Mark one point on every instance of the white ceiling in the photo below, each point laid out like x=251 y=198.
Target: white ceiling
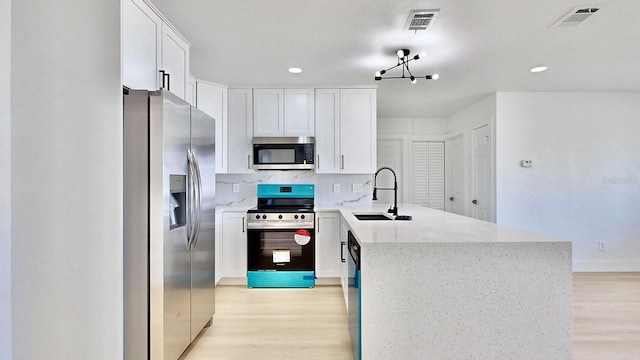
x=476 y=46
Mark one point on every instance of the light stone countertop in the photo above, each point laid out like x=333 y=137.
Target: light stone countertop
x=432 y=226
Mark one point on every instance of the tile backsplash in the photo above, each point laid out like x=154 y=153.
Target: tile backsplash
x=325 y=196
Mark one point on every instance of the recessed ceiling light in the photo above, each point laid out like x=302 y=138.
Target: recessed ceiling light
x=538 y=69
x=295 y=70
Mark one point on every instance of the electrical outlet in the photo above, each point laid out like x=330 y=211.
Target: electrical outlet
x=236 y=188
x=601 y=245
x=356 y=188
x=336 y=188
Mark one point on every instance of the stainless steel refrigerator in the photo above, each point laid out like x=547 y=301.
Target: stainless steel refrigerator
x=169 y=216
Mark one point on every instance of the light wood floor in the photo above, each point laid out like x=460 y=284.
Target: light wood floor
x=312 y=323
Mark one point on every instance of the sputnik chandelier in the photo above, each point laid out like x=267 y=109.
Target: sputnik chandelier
x=403 y=60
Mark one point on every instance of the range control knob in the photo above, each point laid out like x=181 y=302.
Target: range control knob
x=264 y=217
x=295 y=217
x=280 y=217
x=257 y=216
x=302 y=217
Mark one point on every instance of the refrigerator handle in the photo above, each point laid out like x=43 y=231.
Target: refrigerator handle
x=198 y=204
x=192 y=200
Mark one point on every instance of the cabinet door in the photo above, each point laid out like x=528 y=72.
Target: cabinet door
x=240 y=126
x=327 y=124
x=175 y=61
x=212 y=99
x=268 y=112
x=299 y=113
x=141 y=39
x=358 y=131
x=327 y=245
x=234 y=244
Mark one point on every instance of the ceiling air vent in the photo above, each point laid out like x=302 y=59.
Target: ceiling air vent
x=577 y=15
x=421 y=19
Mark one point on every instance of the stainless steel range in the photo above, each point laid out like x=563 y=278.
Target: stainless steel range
x=280 y=237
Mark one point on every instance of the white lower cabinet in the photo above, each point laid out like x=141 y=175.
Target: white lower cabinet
x=344 y=267
x=327 y=245
x=234 y=244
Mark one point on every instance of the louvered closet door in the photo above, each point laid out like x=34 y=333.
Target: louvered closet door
x=428 y=174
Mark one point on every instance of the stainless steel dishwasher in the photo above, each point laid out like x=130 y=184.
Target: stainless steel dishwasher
x=354 y=295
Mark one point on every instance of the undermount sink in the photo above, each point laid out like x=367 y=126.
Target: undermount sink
x=372 y=216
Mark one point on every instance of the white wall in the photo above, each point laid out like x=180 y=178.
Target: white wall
x=5 y=180
x=66 y=180
x=411 y=126
x=474 y=115
x=585 y=181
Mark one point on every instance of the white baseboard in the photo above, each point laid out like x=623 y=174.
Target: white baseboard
x=629 y=265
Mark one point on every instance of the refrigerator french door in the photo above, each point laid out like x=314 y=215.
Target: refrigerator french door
x=169 y=185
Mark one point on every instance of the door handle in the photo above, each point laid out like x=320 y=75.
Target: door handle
x=474 y=202
x=451 y=198
x=342 y=244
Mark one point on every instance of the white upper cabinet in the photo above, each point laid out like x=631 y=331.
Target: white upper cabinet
x=288 y=112
x=299 y=112
x=346 y=131
x=327 y=131
x=175 y=61
x=141 y=45
x=240 y=131
x=152 y=47
x=268 y=112
x=212 y=99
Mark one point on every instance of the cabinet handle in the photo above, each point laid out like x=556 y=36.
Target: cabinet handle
x=249 y=162
x=168 y=81
x=342 y=162
x=243 y=224
x=162 y=78
x=318 y=162
x=342 y=244
x=474 y=202
x=318 y=224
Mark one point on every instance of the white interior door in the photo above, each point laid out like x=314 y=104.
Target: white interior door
x=391 y=153
x=481 y=174
x=455 y=175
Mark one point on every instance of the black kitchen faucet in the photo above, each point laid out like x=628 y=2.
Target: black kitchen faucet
x=394 y=209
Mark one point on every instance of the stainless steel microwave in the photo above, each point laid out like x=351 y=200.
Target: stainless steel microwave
x=283 y=153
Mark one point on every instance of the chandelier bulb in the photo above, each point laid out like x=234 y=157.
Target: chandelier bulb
x=378 y=74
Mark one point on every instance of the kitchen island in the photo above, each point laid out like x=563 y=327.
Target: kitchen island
x=444 y=286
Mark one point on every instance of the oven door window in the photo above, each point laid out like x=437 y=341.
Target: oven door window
x=278 y=250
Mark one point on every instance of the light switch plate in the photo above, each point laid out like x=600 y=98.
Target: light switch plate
x=336 y=188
